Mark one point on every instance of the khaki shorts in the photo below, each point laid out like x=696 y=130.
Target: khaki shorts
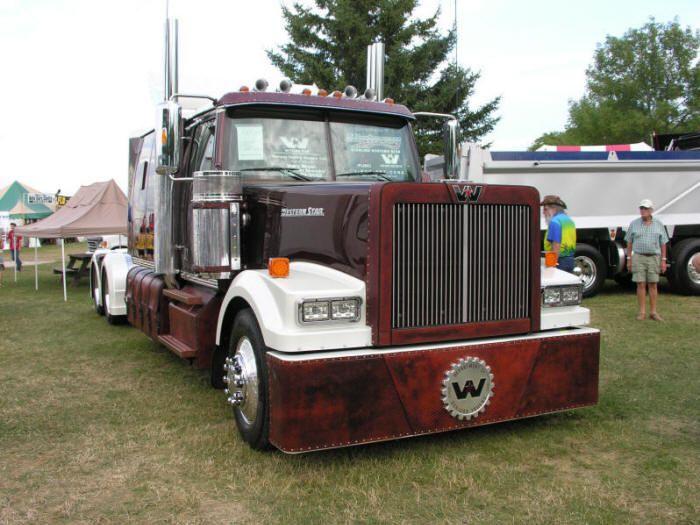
x=646 y=268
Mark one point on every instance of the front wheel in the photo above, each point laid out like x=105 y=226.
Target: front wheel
x=593 y=268
x=245 y=375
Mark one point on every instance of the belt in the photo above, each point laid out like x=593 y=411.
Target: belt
x=648 y=254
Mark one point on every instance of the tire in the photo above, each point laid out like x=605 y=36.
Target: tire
x=245 y=373
x=94 y=289
x=593 y=268
x=682 y=277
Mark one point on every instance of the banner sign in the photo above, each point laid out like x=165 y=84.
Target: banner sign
x=40 y=198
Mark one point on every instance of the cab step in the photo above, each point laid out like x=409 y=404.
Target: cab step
x=177 y=347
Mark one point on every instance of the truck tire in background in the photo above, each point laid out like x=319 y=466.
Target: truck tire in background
x=593 y=268
x=682 y=277
x=95 y=289
x=246 y=377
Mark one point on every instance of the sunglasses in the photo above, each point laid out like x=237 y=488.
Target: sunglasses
x=644 y=208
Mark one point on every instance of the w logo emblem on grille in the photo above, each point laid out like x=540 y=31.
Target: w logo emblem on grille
x=467 y=193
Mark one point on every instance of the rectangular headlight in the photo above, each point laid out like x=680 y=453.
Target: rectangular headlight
x=552 y=296
x=345 y=310
x=315 y=311
x=571 y=295
x=331 y=309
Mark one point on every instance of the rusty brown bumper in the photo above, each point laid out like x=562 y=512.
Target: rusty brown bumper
x=332 y=400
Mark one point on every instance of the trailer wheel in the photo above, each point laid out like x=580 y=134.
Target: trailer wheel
x=95 y=292
x=245 y=374
x=593 y=268
x=683 y=277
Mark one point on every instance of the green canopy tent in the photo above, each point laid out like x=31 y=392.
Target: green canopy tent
x=14 y=202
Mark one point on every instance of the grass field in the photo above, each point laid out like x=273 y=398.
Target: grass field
x=99 y=425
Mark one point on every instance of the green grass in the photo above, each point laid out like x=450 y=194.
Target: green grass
x=99 y=425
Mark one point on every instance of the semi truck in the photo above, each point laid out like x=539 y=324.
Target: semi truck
x=291 y=244
x=602 y=191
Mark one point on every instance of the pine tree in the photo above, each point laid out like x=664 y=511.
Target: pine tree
x=328 y=46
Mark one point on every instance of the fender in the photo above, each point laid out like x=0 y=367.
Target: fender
x=114 y=266
x=275 y=302
x=561 y=316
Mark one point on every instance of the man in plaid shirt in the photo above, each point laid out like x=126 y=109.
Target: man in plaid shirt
x=646 y=254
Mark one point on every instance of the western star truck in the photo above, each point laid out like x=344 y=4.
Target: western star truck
x=290 y=243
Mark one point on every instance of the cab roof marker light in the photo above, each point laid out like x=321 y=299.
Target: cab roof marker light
x=285 y=85
x=389 y=101
x=306 y=92
x=261 y=84
x=244 y=89
x=322 y=93
x=336 y=94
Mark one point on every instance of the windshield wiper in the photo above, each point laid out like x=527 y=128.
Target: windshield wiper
x=292 y=172
x=377 y=173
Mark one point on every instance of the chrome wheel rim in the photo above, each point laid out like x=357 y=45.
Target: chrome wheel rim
x=589 y=272
x=693 y=275
x=241 y=376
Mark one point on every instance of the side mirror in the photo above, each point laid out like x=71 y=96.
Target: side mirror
x=450 y=135
x=168 y=124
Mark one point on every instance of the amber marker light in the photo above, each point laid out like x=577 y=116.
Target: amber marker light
x=164 y=135
x=389 y=101
x=550 y=259
x=336 y=94
x=278 y=267
x=306 y=92
x=244 y=89
x=322 y=93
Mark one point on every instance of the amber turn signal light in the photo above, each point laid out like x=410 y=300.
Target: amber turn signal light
x=278 y=267
x=550 y=259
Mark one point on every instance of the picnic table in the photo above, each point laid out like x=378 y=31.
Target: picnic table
x=76 y=272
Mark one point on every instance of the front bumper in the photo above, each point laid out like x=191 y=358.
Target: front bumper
x=334 y=399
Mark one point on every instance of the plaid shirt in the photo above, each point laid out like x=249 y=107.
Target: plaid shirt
x=646 y=239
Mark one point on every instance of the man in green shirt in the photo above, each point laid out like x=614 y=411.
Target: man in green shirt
x=646 y=255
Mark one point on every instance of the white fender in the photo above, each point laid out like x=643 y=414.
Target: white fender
x=561 y=316
x=115 y=265
x=275 y=303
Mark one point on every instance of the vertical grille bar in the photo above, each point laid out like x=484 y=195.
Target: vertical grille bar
x=457 y=264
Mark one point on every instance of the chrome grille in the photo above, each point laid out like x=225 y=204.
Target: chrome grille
x=458 y=264
x=93 y=244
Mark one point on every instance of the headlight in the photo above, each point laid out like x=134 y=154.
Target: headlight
x=342 y=309
x=562 y=295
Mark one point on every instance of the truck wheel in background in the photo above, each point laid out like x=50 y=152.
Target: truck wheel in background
x=593 y=268
x=625 y=280
x=245 y=374
x=683 y=277
x=95 y=292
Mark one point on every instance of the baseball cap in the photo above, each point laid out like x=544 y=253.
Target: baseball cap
x=552 y=199
x=646 y=203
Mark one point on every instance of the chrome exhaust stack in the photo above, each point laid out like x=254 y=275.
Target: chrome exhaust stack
x=375 y=71
x=167 y=130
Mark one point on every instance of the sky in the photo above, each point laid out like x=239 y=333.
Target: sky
x=79 y=77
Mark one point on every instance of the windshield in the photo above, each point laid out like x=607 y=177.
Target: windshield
x=319 y=147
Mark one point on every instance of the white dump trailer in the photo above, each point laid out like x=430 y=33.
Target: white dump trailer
x=602 y=191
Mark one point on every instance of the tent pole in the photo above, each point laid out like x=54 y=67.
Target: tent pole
x=14 y=256
x=63 y=264
x=36 y=265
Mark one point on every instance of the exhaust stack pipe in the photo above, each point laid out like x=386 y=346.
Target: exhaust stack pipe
x=163 y=231
x=375 y=69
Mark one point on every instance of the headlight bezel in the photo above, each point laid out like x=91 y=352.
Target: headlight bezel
x=560 y=291
x=302 y=320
